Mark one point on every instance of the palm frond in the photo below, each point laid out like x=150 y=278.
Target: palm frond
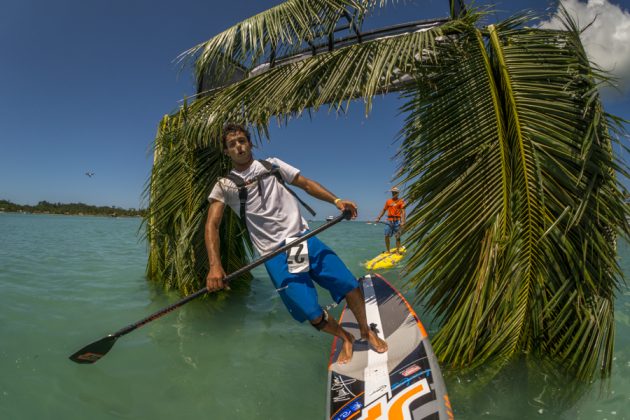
x=180 y=183
x=276 y=32
x=513 y=175
x=333 y=78
x=455 y=155
x=515 y=201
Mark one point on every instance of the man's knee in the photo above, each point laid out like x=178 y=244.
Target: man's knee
x=353 y=292
x=320 y=322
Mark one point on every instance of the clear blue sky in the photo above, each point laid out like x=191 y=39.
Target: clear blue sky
x=83 y=85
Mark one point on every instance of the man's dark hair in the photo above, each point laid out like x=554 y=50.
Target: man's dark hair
x=231 y=128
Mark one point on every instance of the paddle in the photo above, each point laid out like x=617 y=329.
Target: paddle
x=94 y=351
x=375 y=223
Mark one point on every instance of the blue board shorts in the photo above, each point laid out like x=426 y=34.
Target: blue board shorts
x=297 y=289
x=393 y=228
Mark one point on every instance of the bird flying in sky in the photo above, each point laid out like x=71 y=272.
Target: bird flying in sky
x=90 y=174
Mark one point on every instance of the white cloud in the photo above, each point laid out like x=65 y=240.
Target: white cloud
x=607 y=40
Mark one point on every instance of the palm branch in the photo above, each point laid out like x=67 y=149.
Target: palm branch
x=188 y=148
x=511 y=171
x=276 y=32
x=180 y=183
x=506 y=148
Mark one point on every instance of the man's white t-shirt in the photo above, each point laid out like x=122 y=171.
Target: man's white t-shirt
x=271 y=218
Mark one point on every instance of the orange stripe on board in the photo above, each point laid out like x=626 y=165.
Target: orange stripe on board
x=374 y=413
x=396 y=410
x=423 y=332
x=449 y=411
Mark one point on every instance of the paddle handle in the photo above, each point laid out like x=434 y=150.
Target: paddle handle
x=126 y=330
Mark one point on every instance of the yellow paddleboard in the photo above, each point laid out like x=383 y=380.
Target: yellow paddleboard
x=386 y=259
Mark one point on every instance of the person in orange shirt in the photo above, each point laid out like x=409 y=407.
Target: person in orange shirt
x=395 y=208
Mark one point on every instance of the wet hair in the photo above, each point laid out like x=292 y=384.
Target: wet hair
x=231 y=128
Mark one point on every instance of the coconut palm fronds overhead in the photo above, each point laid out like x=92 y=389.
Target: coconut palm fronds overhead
x=510 y=165
x=332 y=78
x=273 y=33
x=506 y=150
x=289 y=32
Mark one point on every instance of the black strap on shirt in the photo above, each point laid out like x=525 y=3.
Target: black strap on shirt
x=241 y=184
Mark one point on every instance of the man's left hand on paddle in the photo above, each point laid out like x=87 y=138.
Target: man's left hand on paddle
x=348 y=205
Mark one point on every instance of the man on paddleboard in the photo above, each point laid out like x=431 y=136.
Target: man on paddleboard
x=395 y=208
x=256 y=191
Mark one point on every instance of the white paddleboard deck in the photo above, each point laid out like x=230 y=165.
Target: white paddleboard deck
x=403 y=383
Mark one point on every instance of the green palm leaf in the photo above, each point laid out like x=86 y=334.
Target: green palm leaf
x=180 y=183
x=513 y=180
x=506 y=150
x=333 y=78
x=276 y=32
x=455 y=154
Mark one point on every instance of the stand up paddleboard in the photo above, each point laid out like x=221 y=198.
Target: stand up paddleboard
x=405 y=382
x=386 y=259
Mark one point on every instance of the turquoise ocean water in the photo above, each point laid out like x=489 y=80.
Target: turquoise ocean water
x=66 y=281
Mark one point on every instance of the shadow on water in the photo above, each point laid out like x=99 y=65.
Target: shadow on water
x=531 y=387
x=216 y=315
x=523 y=388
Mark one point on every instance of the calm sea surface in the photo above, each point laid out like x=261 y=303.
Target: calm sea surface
x=66 y=281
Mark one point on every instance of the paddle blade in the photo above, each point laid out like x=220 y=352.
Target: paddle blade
x=93 y=352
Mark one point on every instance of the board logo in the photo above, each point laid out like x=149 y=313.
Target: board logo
x=399 y=407
x=410 y=370
x=349 y=410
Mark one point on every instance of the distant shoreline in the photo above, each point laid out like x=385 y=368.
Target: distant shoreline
x=69 y=209
x=65 y=214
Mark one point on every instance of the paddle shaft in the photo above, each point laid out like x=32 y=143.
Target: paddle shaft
x=230 y=277
x=373 y=223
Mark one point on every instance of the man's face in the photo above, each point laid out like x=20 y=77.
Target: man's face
x=395 y=195
x=238 y=148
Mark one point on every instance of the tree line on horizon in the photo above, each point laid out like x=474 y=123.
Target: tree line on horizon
x=45 y=207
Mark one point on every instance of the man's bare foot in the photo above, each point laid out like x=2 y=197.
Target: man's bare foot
x=378 y=344
x=346 y=350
